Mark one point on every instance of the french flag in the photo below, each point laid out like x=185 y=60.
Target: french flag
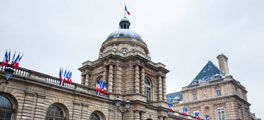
x=64 y=78
x=17 y=63
x=7 y=58
x=185 y=111
x=60 y=75
x=70 y=75
x=16 y=60
x=207 y=117
x=97 y=88
x=196 y=115
x=170 y=107
x=4 y=60
x=13 y=59
x=127 y=11
x=104 y=88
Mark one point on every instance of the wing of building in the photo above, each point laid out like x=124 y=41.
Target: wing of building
x=213 y=92
x=125 y=66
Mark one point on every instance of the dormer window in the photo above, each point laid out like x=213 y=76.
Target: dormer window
x=124 y=50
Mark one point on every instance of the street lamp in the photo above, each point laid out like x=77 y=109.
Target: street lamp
x=8 y=74
x=127 y=106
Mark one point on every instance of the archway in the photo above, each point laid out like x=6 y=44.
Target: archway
x=57 y=111
x=8 y=106
x=97 y=115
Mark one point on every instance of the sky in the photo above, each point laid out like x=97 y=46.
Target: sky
x=182 y=34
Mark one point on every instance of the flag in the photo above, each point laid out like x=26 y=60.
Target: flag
x=104 y=88
x=127 y=11
x=64 y=77
x=17 y=63
x=13 y=59
x=60 y=75
x=70 y=77
x=185 y=111
x=16 y=60
x=7 y=58
x=101 y=85
x=196 y=115
x=97 y=87
x=171 y=107
x=4 y=60
x=207 y=117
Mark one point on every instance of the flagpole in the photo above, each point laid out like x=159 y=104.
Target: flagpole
x=125 y=12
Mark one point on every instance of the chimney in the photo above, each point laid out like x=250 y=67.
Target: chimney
x=223 y=64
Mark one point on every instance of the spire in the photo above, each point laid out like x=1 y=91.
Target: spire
x=124 y=23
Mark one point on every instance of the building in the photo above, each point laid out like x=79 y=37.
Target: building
x=214 y=92
x=124 y=64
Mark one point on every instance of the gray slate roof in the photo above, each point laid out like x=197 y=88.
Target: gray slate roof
x=172 y=97
x=208 y=73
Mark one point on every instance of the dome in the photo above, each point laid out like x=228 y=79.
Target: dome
x=124 y=31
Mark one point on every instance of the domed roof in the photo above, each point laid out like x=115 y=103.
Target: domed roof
x=124 y=31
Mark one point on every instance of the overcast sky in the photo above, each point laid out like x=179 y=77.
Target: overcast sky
x=182 y=34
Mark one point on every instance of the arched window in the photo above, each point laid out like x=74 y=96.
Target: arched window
x=100 y=80
x=94 y=116
x=5 y=108
x=54 y=112
x=147 y=88
x=97 y=115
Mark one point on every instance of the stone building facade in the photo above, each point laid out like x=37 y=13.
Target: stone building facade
x=215 y=93
x=123 y=63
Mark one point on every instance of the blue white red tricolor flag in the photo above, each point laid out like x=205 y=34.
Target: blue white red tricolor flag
x=14 y=62
x=98 y=87
x=196 y=115
x=207 y=117
x=171 y=107
x=104 y=88
x=184 y=111
x=60 y=75
x=127 y=12
x=4 y=60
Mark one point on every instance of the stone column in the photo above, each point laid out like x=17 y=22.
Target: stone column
x=104 y=73
x=136 y=115
x=87 y=78
x=160 y=88
x=118 y=79
x=164 y=88
x=142 y=80
x=137 y=79
x=110 y=79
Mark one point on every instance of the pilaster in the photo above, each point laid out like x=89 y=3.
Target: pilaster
x=136 y=79
x=110 y=78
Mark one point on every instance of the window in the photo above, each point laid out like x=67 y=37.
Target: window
x=194 y=96
x=218 y=92
x=147 y=89
x=220 y=113
x=94 y=116
x=124 y=50
x=5 y=108
x=55 y=113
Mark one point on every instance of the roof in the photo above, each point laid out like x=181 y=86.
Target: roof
x=208 y=73
x=124 y=33
x=173 y=97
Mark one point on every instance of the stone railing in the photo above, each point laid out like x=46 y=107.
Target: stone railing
x=180 y=115
x=30 y=74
